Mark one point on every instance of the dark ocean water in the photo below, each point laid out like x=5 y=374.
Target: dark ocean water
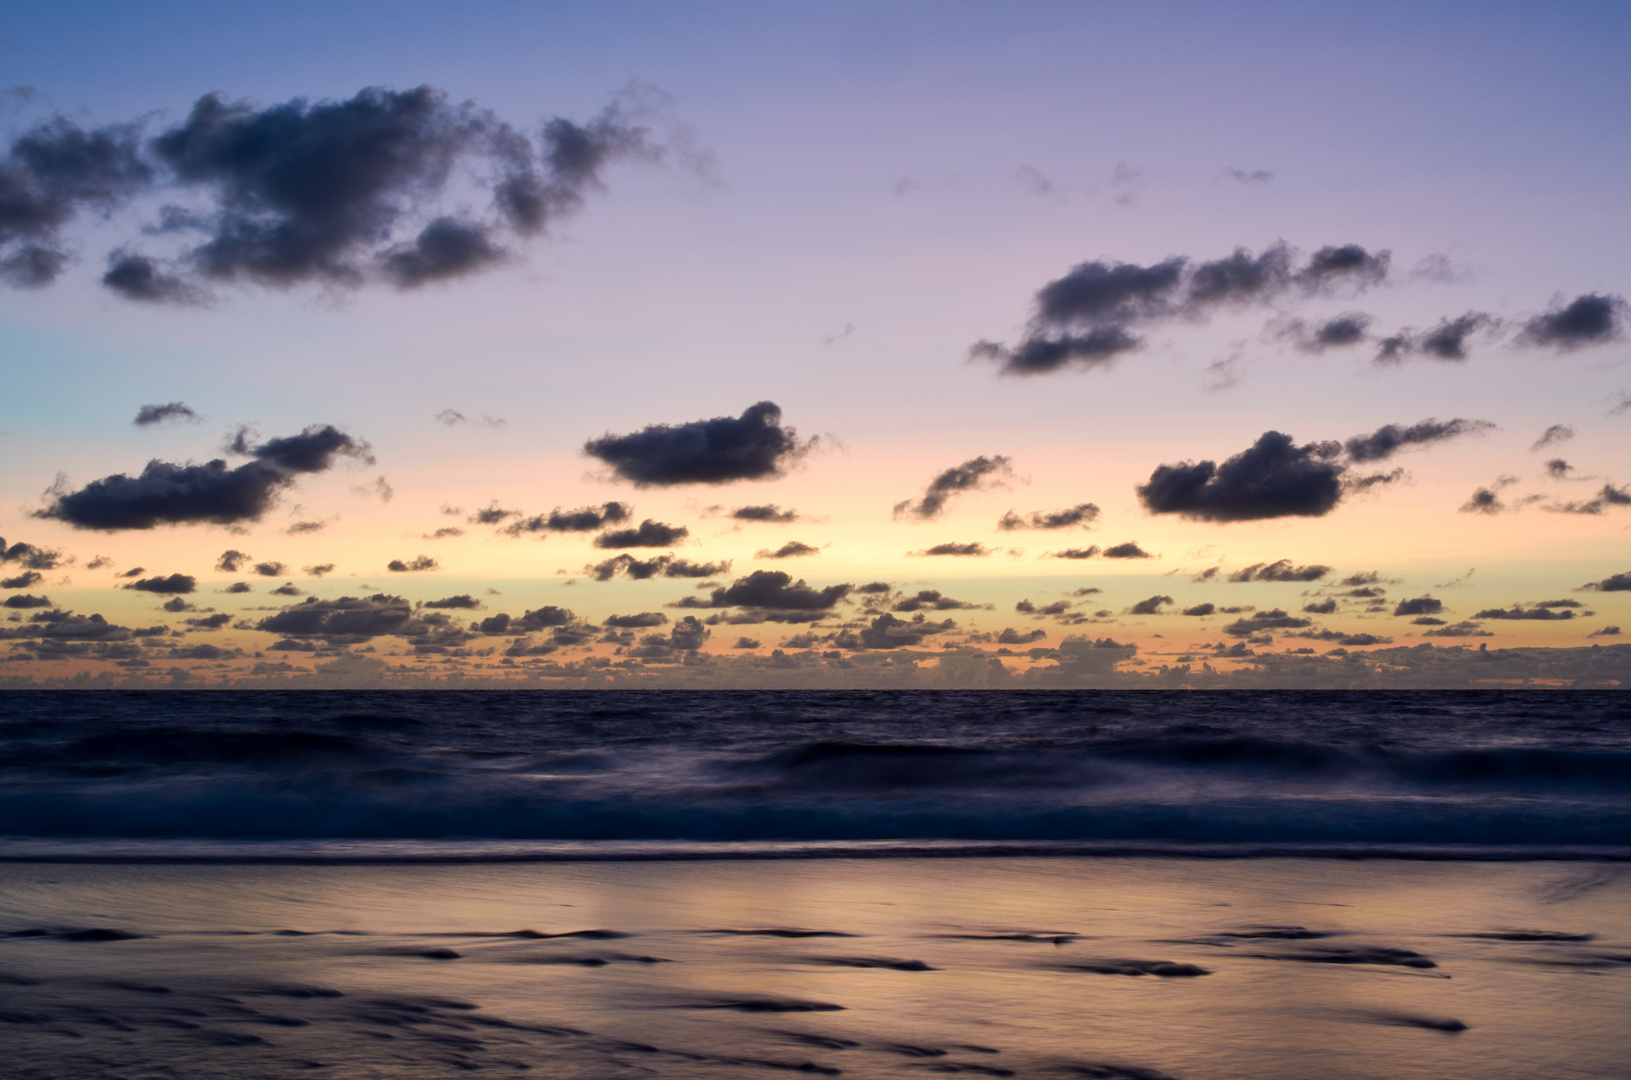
x=1520 y=772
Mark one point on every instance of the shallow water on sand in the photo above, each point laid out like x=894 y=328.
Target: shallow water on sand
x=1088 y=967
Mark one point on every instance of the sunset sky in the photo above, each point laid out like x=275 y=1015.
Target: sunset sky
x=1008 y=277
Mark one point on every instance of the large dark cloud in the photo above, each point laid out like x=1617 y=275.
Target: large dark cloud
x=1086 y=318
x=773 y=590
x=753 y=446
x=1274 y=478
x=888 y=632
x=48 y=176
x=1592 y=319
x=348 y=618
x=1388 y=439
x=27 y=600
x=170 y=494
x=974 y=474
x=649 y=534
x=583 y=519
x=1419 y=605
x=1280 y=570
x=1082 y=514
x=158 y=414
x=1612 y=583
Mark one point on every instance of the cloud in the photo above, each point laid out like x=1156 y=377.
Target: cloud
x=975 y=474
x=270 y=569
x=301 y=528
x=288 y=588
x=1446 y=341
x=171 y=494
x=649 y=534
x=1249 y=176
x=318 y=570
x=347 y=619
x=1327 y=606
x=1074 y=553
x=340 y=193
x=1200 y=610
x=30 y=556
x=239 y=587
x=453 y=418
x=660 y=566
x=1151 y=606
x=1483 y=501
x=1592 y=319
x=791 y=550
x=421 y=562
x=1420 y=605
x=446 y=532
x=931 y=600
x=1129 y=550
x=27 y=600
x=1039 y=356
x=951 y=547
x=462 y=602
x=1557 y=433
x=1274 y=478
x=50 y=175
x=754 y=446
x=1010 y=636
x=167 y=585
x=1605 y=631
x=492 y=514
x=1340 y=331
x=770 y=513
x=888 y=632
x=1558 y=469
x=1388 y=439
x=159 y=414
x=772 y=590
x=1608 y=496
x=636 y=622
x=1082 y=514
x=1260 y=621
x=1281 y=570
x=1460 y=629
x=1613 y=583
x=1518 y=611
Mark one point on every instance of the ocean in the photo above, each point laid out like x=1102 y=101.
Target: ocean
x=698 y=884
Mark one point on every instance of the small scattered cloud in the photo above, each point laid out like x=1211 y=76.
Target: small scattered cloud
x=1557 y=433
x=1389 y=439
x=1446 y=341
x=1608 y=496
x=461 y=602
x=317 y=570
x=1605 y=631
x=766 y=513
x=1420 y=605
x=1280 y=570
x=166 y=585
x=455 y=418
x=1612 y=583
x=582 y=519
x=1129 y=550
x=172 y=412
x=1082 y=514
x=1150 y=606
x=414 y=565
x=1248 y=176
x=649 y=533
x=793 y=549
x=975 y=474
x=1201 y=610
x=1592 y=319
x=956 y=549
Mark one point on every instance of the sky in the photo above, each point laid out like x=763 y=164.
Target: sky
x=722 y=344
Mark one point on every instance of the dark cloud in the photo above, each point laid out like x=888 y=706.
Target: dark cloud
x=1010 y=636
x=139 y=278
x=1075 y=553
x=1605 y=631
x=767 y=513
x=1553 y=435
x=177 y=604
x=239 y=587
x=462 y=602
x=1086 y=318
x=30 y=556
x=1387 y=440
x=1518 y=611
x=583 y=519
x=1592 y=319
x=349 y=618
x=975 y=474
x=791 y=550
x=776 y=589
x=446 y=532
x=1613 y=583
x=288 y=588
x=1260 y=621
x=873 y=588
x=660 y=566
x=168 y=585
x=49 y=175
x=210 y=622
x=1608 y=496
x=1483 y=501
x=1281 y=570
x=170 y=494
x=318 y=570
x=1460 y=629
x=888 y=632
x=929 y=600
x=1341 y=331
x=1558 y=469
x=421 y=562
x=302 y=528
x=269 y=569
x=27 y=600
x=1446 y=341
x=951 y=547
x=1327 y=606
x=1274 y=478
x=1082 y=514
x=754 y=446
x=492 y=514
x=159 y=414
x=747 y=643
x=1129 y=550
x=649 y=534
x=1420 y=605
x=1150 y=606
x=445 y=248
x=636 y=622
x=1201 y=609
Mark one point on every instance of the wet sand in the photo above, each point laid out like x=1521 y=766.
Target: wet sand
x=1051 y=967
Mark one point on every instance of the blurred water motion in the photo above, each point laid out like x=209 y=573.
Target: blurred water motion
x=1129 y=968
